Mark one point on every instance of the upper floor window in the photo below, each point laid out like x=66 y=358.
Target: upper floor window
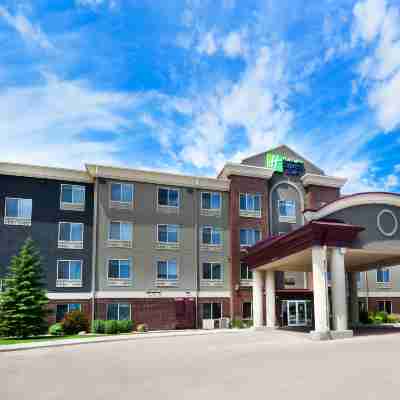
x=383 y=275
x=250 y=205
x=70 y=235
x=246 y=274
x=69 y=273
x=18 y=211
x=211 y=236
x=119 y=269
x=118 y=311
x=63 y=309
x=120 y=233
x=167 y=270
x=287 y=210
x=72 y=197
x=249 y=237
x=121 y=194
x=211 y=201
x=212 y=271
x=167 y=233
x=168 y=197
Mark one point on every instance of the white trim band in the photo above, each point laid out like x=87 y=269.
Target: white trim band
x=383 y=294
x=69 y=296
x=322 y=180
x=245 y=170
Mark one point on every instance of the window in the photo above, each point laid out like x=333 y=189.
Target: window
x=119 y=269
x=385 y=305
x=70 y=235
x=167 y=270
x=212 y=271
x=383 y=275
x=246 y=274
x=122 y=193
x=69 y=273
x=120 y=231
x=246 y=310
x=18 y=211
x=287 y=210
x=212 y=310
x=210 y=200
x=118 y=311
x=72 y=197
x=250 y=205
x=168 y=197
x=249 y=237
x=63 y=309
x=167 y=233
x=2 y=285
x=211 y=236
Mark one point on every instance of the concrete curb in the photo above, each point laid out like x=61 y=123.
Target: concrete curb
x=116 y=338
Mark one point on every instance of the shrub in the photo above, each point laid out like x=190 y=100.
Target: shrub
x=142 y=328
x=98 y=326
x=56 y=330
x=75 y=322
x=125 y=326
x=381 y=317
x=111 y=327
x=391 y=318
x=248 y=323
x=238 y=323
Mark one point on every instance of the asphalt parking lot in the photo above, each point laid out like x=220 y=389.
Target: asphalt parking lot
x=271 y=365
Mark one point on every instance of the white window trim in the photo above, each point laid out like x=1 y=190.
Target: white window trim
x=121 y=204
x=17 y=220
x=168 y=206
x=240 y=274
x=249 y=229
x=213 y=229
x=385 y=302
x=62 y=282
x=68 y=307
x=177 y=234
x=291 y=219
x=119 y=242
x=248 y=212
x=119 y=281
x=70 y=244
x=65 y=205
x=212 y=304
x=166 y=281
x=384 y=284
x=212 y=263
x=119 y=304
x=210 y=209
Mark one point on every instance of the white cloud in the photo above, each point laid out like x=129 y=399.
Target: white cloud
x=45 y=123
x=207 y=44
x=381 y=70
x=233 y=45
x=30 y=32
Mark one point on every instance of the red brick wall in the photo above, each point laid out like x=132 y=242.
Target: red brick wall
x=240 y=184
x=373 y=303
x=86 y=307
x=316 y=196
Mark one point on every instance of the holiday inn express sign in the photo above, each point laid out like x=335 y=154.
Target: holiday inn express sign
x=281 y=164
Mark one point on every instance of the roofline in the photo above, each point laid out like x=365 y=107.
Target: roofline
x=245 y=170
x=322 y=180
x=156 y=177
x=38 y=171
x=352 y=200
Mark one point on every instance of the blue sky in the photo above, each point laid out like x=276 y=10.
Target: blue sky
x=186 y=86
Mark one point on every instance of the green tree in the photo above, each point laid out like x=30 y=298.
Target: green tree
x=23 y=305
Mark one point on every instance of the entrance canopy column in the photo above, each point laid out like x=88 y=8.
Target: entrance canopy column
x=354 y=307
x=270 y=299
x=258 y=281
x=321 y=304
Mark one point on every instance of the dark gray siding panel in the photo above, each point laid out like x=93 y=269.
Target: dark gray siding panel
x=46 y=215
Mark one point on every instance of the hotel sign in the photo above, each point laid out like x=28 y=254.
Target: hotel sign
x=281 y=164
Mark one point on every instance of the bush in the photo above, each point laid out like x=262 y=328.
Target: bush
x=75 y=322
x=125 y=326
x=98 y=326
x=56 y=330
x=248 y=323
x=381 y=317
x=142 y=328
x=392 y=319
x=238 y=323
x=111 y=327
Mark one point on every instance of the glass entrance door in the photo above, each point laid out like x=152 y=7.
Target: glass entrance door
x=299 y=312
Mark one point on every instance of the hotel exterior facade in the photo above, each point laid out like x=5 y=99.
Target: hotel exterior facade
x=168 y=250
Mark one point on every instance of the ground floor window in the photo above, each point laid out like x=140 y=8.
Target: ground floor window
x=246 y=310
x=63 y=309
x=212 y=310
x=118 y=311
x=385 y=305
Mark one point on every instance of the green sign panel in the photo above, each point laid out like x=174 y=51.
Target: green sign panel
x=281 y=164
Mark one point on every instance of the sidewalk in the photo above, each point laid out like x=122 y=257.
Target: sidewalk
x=116 y=338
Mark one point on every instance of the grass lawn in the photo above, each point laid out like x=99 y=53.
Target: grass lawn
x=4 y=341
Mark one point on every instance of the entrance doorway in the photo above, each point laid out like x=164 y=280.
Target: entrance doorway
x=298 y=312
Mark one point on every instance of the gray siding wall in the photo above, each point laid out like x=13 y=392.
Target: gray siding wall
x=145 y=215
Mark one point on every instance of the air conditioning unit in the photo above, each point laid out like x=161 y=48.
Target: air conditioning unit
x=208 y=324
x=220 y=323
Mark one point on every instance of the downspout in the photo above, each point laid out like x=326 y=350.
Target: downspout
x=367 y=290
x=196 y=253
x=94 y=243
